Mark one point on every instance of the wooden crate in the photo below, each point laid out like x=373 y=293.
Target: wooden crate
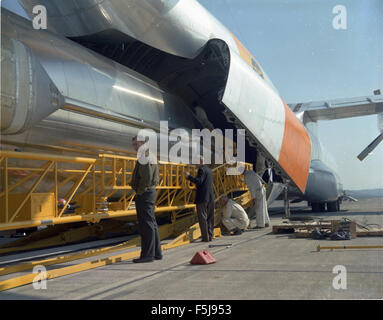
x=338 y=225
x=370 y=233
x=292 y=227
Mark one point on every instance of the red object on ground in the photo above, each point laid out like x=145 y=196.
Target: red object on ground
x=203 y=257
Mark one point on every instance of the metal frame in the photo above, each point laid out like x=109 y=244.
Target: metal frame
x=90 y=182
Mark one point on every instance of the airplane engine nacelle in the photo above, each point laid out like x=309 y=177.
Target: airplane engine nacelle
x=24 y=100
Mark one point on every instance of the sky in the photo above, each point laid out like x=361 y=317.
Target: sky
x=308 y=60
x=14 y=6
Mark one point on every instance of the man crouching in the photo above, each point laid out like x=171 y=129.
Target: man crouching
x=234 y=218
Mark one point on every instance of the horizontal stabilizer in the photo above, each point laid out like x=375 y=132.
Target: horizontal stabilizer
x=339 y=109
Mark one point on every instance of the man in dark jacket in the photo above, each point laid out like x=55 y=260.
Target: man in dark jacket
x=204 y=200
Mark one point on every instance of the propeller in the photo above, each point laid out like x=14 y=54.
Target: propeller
x=376 y=141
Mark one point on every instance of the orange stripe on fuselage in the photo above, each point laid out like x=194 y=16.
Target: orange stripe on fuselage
x=248 y=57
x=295 y=153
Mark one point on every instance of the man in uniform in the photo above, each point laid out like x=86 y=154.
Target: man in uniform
x=145 y=178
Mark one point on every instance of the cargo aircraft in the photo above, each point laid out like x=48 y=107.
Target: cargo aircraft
x=105 y=69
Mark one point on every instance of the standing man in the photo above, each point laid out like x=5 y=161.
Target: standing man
x=145 y=178
x=258 y=192
x=204 y=199
x=234 y=218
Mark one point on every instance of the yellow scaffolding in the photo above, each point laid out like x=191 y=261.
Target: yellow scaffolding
x=91 y=189
x=35 y=184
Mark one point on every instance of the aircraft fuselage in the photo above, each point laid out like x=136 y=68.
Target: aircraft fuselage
x=87 y=95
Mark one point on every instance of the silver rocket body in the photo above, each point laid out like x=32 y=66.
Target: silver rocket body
x=57 y=92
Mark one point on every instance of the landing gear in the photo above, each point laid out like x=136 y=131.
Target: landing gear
x=333 y=206
x=286 y=203
x=318 y=207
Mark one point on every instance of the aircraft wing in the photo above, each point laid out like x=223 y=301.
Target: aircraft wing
x=342 y=109
x=339 y=109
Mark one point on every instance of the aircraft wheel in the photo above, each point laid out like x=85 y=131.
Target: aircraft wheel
x=333 y=206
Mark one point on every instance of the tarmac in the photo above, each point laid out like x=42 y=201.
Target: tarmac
x=257 y=265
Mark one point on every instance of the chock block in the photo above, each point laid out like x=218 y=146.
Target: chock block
x=203 y=257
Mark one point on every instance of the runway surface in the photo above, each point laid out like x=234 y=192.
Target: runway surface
x=258 y=265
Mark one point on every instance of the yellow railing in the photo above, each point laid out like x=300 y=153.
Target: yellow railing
x=225 y=184
x=44 y=189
